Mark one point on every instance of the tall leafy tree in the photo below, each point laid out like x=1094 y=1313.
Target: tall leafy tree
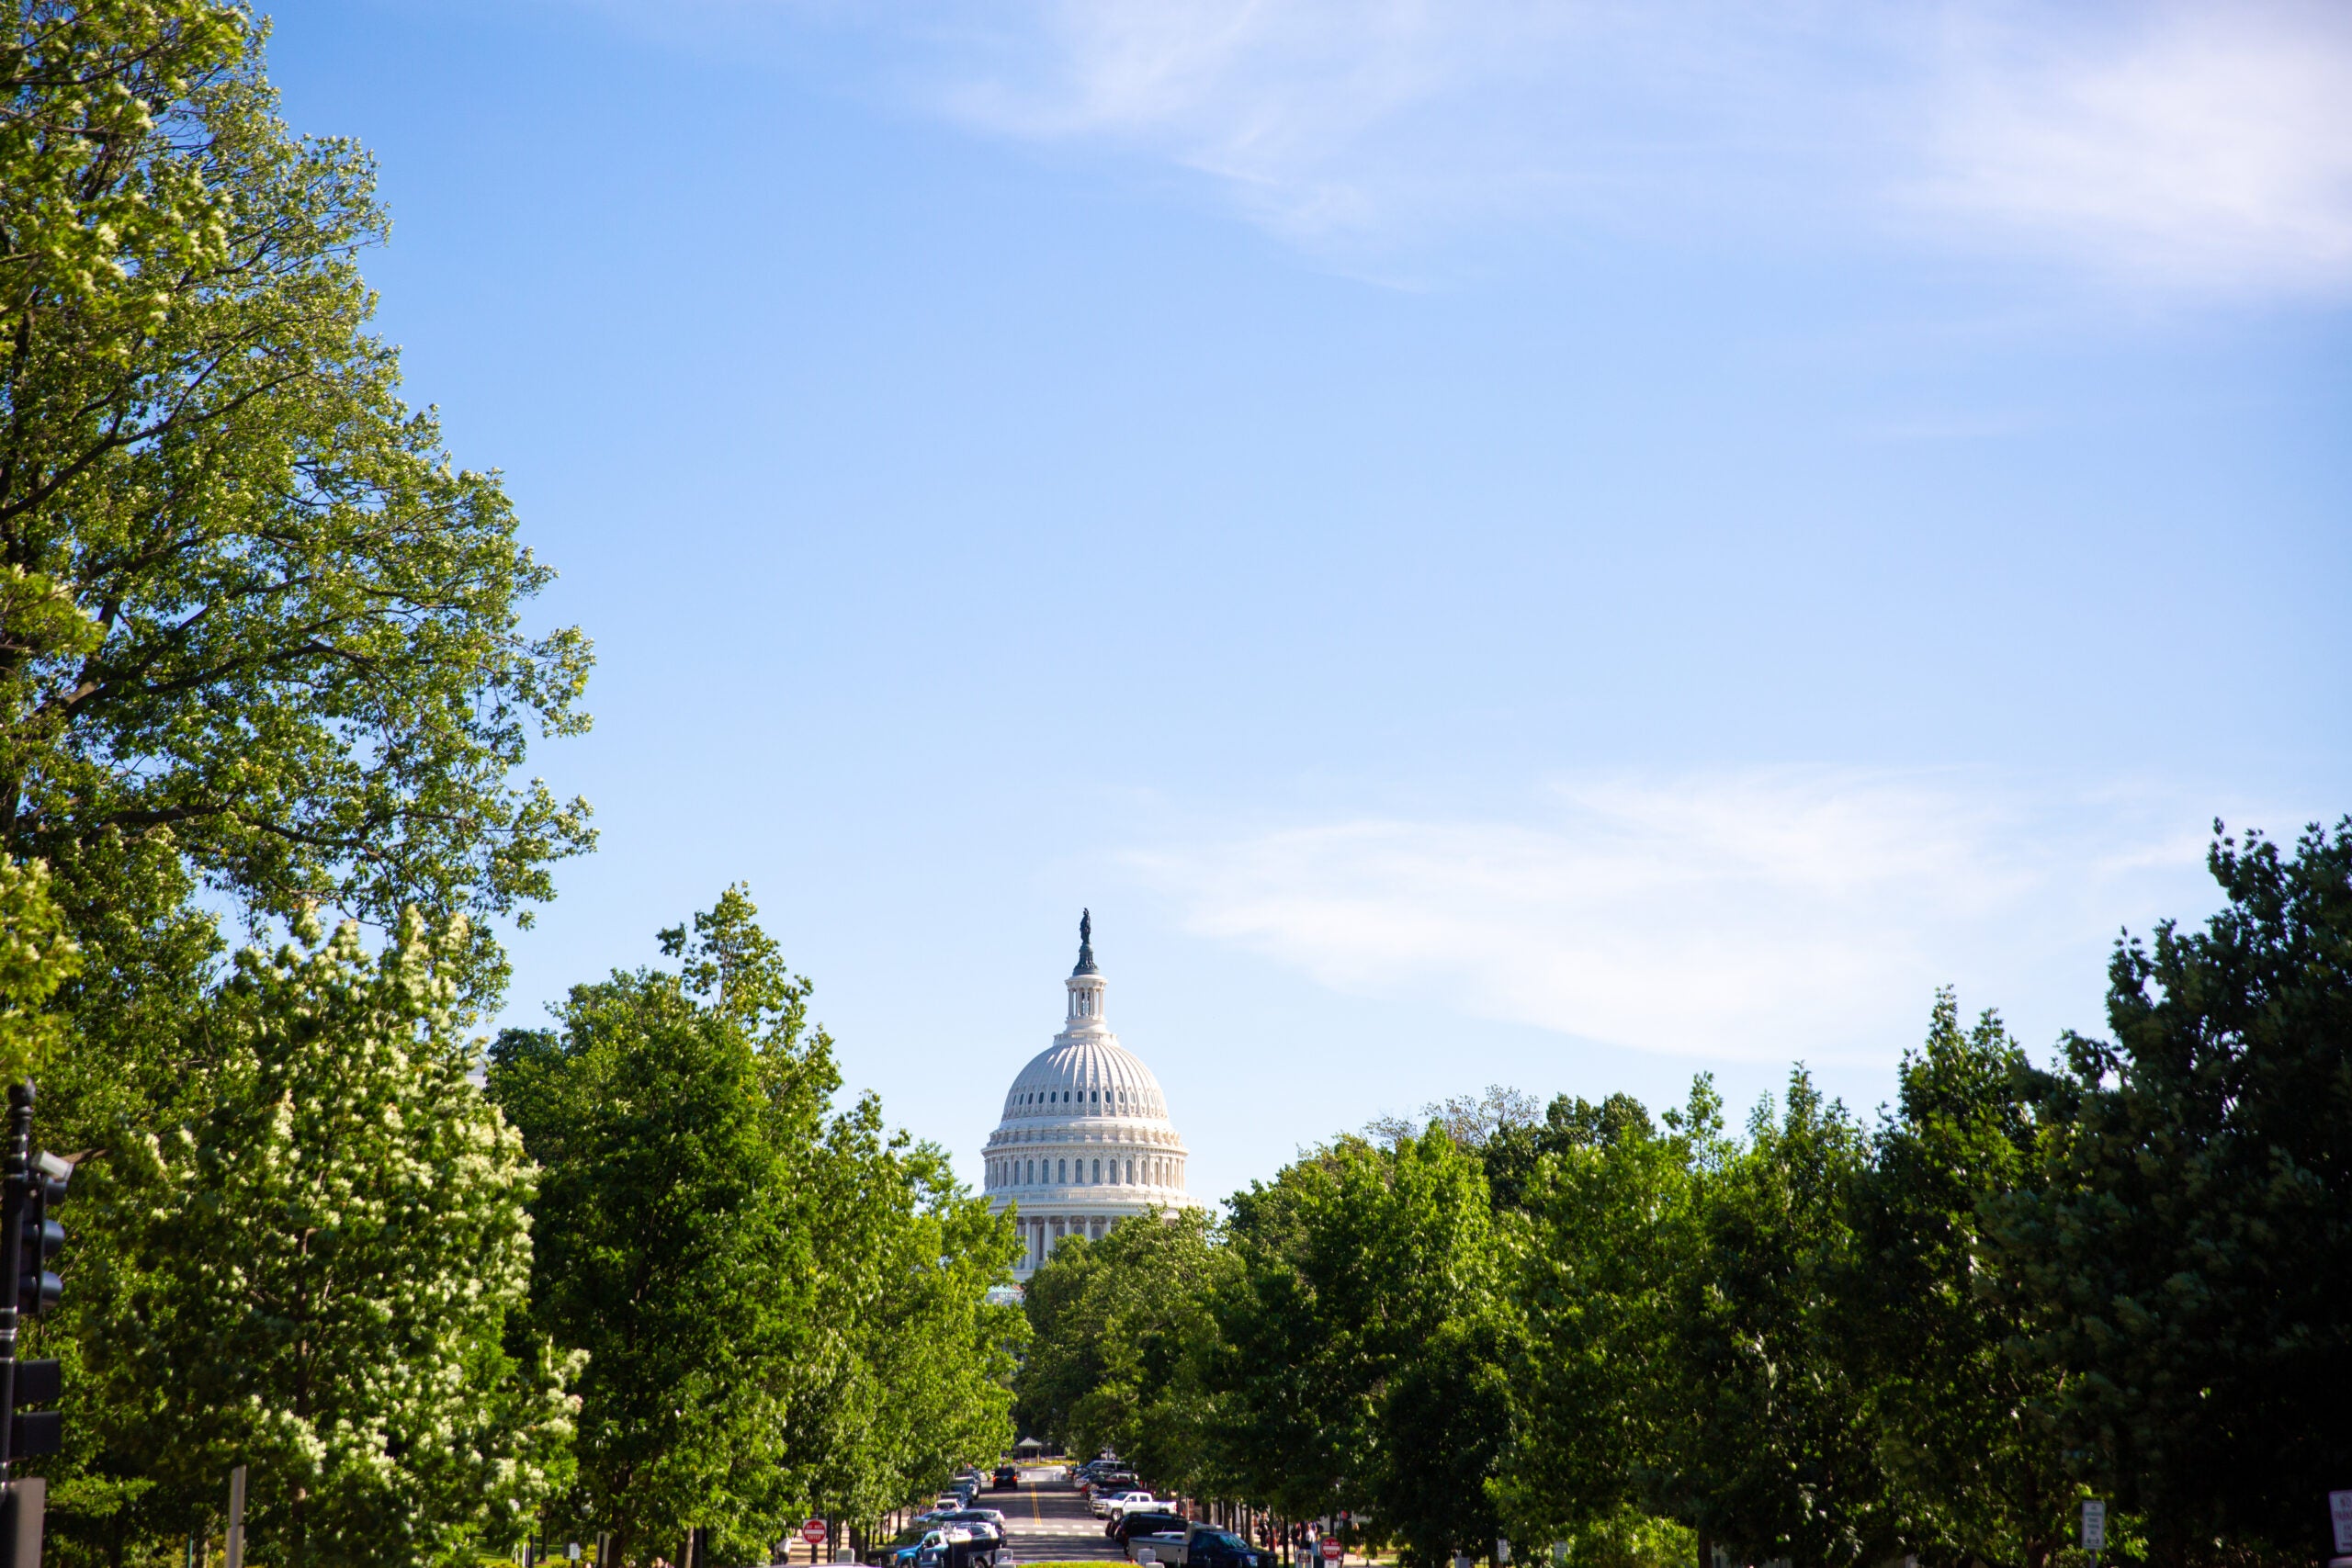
x=1768 y=1449
x=739 y=1264
x=675 y=1115
x=918 y=1382
x=1974 y=1466
x=2186 y=1252
x=1352 y=1264
x=256 y=621
x=1613 y=1224
x=321 y=1277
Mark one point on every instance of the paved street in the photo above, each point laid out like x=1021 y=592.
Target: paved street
x=1048 y=1521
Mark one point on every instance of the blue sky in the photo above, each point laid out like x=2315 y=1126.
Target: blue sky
x=1559 y=546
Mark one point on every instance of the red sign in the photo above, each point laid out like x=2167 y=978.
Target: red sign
x=1332 y=1549
x=813 y=1533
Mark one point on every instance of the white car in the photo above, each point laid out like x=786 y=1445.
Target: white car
x=1112 y=1506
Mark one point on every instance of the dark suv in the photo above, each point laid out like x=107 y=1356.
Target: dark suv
x=1144 y=1521
x=1207 y=1548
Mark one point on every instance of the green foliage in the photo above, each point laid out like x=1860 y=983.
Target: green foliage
x=1353 y=1265
x=1614 y=1223
x=37 y=956
x=1772 y=1455
x=1975 y=1471
x=921 y=1361
x=2183 y=1256
x=782 y=1308
x=1629 y=1539
x=1121 y=1328
x=320 y=1276
x=244 y=595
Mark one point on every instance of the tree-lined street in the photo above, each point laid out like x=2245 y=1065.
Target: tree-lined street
x=325 y=1260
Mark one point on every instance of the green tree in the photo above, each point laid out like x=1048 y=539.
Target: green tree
x=1120 y=1332
x=254 y=618
x=321 y=1277
x=1768 y=1449
x=1353 y=1263
x=921 y=1381
x=737 y=1262
x=2183 y=1256
x=1963 y=1437
x=1614 y=1225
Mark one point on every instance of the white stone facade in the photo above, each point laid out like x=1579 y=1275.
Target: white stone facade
x=1085 y=1141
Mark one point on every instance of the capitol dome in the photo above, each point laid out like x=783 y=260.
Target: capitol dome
x=1085 y=1140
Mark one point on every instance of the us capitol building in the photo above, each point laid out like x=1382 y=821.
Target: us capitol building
x=1085 y=1141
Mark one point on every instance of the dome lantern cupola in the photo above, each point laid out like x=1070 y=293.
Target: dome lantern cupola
x=1086 y=983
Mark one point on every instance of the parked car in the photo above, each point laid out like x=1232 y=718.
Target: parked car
x=952 y=1546
x=988 y=1517
x=1199 y=1546
x=901 y=1552
x=1147 y=1521
x=1125 y=1502
x=1105 y=1483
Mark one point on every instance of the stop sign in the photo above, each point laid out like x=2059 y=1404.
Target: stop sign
x=1332 y=1549
x=813 y=1533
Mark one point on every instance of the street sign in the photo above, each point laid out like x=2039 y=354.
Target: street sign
x=2339 y=1514
x=2094 y=1525
x=1332 y=1549
x=813 y=1531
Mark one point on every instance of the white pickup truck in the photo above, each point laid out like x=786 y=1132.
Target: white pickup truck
x=1125 y=1503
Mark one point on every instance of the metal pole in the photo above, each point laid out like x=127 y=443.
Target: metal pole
x=236 y=1552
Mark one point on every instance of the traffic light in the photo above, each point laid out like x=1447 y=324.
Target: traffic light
x=40 y=1237
x=34 y=1432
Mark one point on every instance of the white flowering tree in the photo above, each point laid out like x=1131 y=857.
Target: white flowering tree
x=323 y=1276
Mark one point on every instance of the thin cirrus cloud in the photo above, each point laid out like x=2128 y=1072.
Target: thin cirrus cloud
x=1742 y=916
x=2194 y=147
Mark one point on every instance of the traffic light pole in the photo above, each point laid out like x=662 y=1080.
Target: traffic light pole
x=20 y=1501
x=16 y=1168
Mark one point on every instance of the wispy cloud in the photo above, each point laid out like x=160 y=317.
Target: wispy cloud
x=1756 y=915
x=2189 y=146
x=2197 y=144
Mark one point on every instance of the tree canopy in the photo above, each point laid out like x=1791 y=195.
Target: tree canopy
x=253 y=612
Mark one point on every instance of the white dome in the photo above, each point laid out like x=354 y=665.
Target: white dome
x=1085 y=1141
x=1092 y=1076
